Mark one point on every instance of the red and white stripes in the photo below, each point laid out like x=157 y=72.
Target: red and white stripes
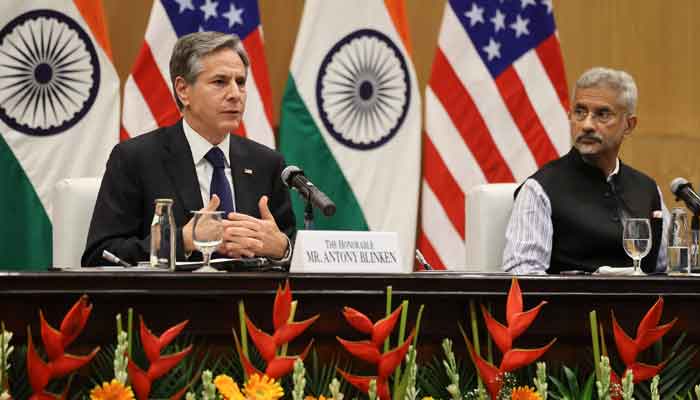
x=148 y=98
x=483 y=130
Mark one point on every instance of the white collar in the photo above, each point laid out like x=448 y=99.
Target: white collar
x=200 y=146
x=614 y=171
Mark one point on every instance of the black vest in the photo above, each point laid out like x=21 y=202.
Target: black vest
x=586 y=212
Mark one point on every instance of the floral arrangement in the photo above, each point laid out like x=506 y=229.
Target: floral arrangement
x=369 y=350
x=55 y=341
x=270 y=346
x=504 y=335
x=398 y=375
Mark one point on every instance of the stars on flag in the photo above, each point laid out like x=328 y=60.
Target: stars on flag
x=499 y=21
x=493 y=50
x=185 y=5
x=209 y=9
x=548 y=4
x=520 y=26
x=525 y=3
x=475 y=15
x=234 y=15
x=503 y=27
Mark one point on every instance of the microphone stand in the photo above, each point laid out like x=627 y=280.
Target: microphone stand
x=695 y=243
x=308 y=214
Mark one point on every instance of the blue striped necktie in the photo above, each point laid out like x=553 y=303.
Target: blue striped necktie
x=219 y=183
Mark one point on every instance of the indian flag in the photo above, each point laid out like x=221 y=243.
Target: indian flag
x=59 y=115
x=351 y=115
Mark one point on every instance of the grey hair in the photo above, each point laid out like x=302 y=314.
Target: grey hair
x=190 y=49
x=617 y=80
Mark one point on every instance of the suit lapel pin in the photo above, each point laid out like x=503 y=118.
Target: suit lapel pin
x=247 y=171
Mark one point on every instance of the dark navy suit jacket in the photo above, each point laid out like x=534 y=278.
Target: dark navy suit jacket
x=159 y=164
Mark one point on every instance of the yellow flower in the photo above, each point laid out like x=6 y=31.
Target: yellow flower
x=524 y=393
x=228 y=388
x=427 y=398
x=264 y=388
x=321 y=397
x=114 y=390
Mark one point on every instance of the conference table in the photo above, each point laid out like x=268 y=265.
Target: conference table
x=210 y=302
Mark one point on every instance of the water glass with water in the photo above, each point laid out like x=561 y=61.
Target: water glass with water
x=207 y=235
x=678 y=240
x=636 y=240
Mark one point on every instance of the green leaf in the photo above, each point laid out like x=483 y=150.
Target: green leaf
x=572 y=381
x=432 y=380
x=587 y=393
x=563 y=391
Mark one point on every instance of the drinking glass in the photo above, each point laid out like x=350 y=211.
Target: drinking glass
x=207 y=234
x=678 y=241
x=636 y=240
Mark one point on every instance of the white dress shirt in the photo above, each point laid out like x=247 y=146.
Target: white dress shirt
x=528 y=247
x=199 y=147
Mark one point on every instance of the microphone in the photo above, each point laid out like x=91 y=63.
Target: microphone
x=294 y=177
x=114 y=259
x=684 y=191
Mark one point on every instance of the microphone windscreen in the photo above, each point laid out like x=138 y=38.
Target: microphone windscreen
x=288 y=172
x=677 y=183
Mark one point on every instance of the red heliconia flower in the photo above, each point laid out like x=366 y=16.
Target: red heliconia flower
x=369 y=350
x=159 y=365
x=358 y=320
x=284 y=332
x=386 y=364
x=518 y=321
x=55 y=342
x=379 y=331
x=648 y=332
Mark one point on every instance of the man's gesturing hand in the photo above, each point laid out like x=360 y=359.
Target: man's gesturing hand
x=246 y=236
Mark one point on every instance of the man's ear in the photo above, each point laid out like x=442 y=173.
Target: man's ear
x=182 y=90
x=630 y=124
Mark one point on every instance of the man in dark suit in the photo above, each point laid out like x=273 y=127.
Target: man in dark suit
x=198 y=164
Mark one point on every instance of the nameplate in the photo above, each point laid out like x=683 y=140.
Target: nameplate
x=346 y=252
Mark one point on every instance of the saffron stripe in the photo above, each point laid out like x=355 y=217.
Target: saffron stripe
x=155 y=91
x=443 y=184
x=518 y=103
x=466 y=118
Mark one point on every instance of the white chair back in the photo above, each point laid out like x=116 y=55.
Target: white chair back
x=488 y=212
x=74 y=202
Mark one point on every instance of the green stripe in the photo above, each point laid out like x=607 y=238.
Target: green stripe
x=302 y=144
x=25 y=229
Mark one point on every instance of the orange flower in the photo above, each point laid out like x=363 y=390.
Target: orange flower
x=114 y=390
x=228 y=388
x=525 y=393
x=321 y=397
x=265 y=388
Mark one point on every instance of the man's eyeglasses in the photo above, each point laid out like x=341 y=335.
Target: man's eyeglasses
x=602 y=115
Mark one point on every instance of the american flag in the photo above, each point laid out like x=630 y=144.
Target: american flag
x=148 y=98
x=495 y=111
